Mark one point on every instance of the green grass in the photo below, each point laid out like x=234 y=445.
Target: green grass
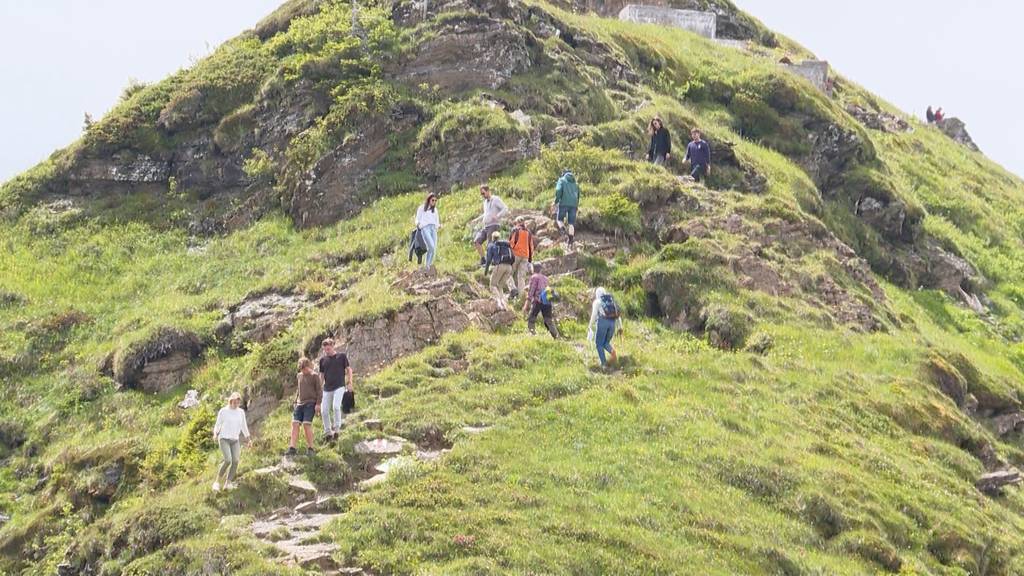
x=822 y=450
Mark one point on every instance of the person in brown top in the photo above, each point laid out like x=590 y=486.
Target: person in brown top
x=308 y=395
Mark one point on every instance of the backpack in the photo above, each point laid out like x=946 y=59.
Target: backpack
x=547 y=296
x=609 y=309
x=522 y=245
x=505 y=255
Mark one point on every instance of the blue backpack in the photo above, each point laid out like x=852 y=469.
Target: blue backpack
x=547 y=296
x=609 y=309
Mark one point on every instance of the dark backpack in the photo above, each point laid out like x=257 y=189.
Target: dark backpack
x=609 y=309
x=505 y=255
x=547 y=296
x=348 y=402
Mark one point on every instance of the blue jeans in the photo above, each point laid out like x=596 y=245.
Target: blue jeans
x=331 y=406
x=567 y=214
x=430 y=239
x=603 y=337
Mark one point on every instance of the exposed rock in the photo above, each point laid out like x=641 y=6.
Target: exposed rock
x=957 y=130
x=474 y=430
x=381 y=446
x=730 y=22
x=373 y=424
x=306 y=507
x=947 y=378
x=191 y=400
x=339 y=184
x=885 y=216
x=4 y=519
x=158 y=363
x=302 y=487
x=879 y=120
x=468 y=157
x=372 y=343
x=833 y=150
x=484 y=312
x=993 y=483
x=259 y=319
x=814 y=71
x=107 y=484
x=1007 y=423
x=970 y=406
x=464 y=54
x=950 y=273
x=431 y=455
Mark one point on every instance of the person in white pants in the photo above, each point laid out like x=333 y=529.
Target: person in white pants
x=337 y=374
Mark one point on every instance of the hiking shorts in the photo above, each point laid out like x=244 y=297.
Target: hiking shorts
x=303 y=413
x=567 y=214
x=483 y=235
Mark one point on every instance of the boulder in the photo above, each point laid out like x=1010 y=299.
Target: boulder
x=993 y=483
x=373 y=424
x=378 y=447
x=302 y=487
x=157 y=363
x=885 y=216
x=1007 y=423
x=879 y=120
x=957 y=130
x=191 y=400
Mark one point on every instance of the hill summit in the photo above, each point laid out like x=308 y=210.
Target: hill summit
x=817 y=370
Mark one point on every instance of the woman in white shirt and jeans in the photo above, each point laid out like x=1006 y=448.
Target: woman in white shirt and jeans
x=427 y=222
x=229 y=431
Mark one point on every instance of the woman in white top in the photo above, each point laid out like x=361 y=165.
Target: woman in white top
x=229 y=431
x=428 y=222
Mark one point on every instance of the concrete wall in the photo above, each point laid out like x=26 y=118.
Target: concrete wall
x=814 y=70
x=703 y=23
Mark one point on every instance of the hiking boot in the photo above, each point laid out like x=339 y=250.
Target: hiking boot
x=310 y=452
x=216 y=486
x=483 y=261
x=230 y=486
x=291 y=452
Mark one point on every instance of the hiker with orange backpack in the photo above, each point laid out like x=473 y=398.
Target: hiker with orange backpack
x=522 y=244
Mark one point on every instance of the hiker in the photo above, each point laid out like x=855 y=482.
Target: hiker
x=522 y=242
x=539 y=300
x=929 y=115
x=308 y=394
x=567 y=203
x=428 y=222
x=661 y=142
x=494 y=212
x=940 y=115
x=499 y=255
x=228 y=432
x=337 y=374
x=698 y=153
x=604 y=319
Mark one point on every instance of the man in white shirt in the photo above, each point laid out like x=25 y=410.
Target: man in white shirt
x=494 y=212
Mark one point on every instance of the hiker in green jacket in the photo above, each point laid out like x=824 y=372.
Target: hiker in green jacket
x=567 y=202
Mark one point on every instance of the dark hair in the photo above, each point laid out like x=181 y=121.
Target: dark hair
x=426 y=203
x=650 y=125
x=536 y=267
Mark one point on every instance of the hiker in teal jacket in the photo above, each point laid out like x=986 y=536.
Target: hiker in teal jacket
x=567 y=202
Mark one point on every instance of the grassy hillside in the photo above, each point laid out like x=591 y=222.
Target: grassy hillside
x=821 y=345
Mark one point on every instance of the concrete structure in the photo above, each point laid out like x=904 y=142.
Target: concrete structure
x=703 y=23
x=731 y=43
x=816 y=71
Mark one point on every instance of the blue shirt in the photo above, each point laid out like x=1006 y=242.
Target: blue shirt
x=699 y=153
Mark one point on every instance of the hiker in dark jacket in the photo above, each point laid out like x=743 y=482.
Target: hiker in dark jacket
x=929 y=115
x=538 y=301
x=661 y=142
x=698 y=153
x=566 y=205
x=499 y=254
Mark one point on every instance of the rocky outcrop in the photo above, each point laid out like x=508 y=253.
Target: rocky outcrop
x=467 y=54
x=157 y=363
x=260 y=318
x=731 y=23
x=879 y=120
x=957 y=130
x=993 y=483
x=339 y=184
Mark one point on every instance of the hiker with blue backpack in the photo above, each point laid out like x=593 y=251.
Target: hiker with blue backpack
x=540 y=297
x=499 y=255
x=605 y=318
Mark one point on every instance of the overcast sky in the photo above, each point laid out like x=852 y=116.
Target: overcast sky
x=62 y=58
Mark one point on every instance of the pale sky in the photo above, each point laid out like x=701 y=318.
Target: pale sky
x=62 y=58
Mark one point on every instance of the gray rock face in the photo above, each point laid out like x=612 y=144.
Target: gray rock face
x=468 y=54
x=261 y=318
x=159 y=364
x=886 y=217
x=372 y=343
x=702 y=23
x=957 y=130
x=881 y=121
x=1007 y=423
x=191 y=400
x=994 y=482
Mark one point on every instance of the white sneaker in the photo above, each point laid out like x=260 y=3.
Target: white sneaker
x=216 y=486
x=230 y=486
